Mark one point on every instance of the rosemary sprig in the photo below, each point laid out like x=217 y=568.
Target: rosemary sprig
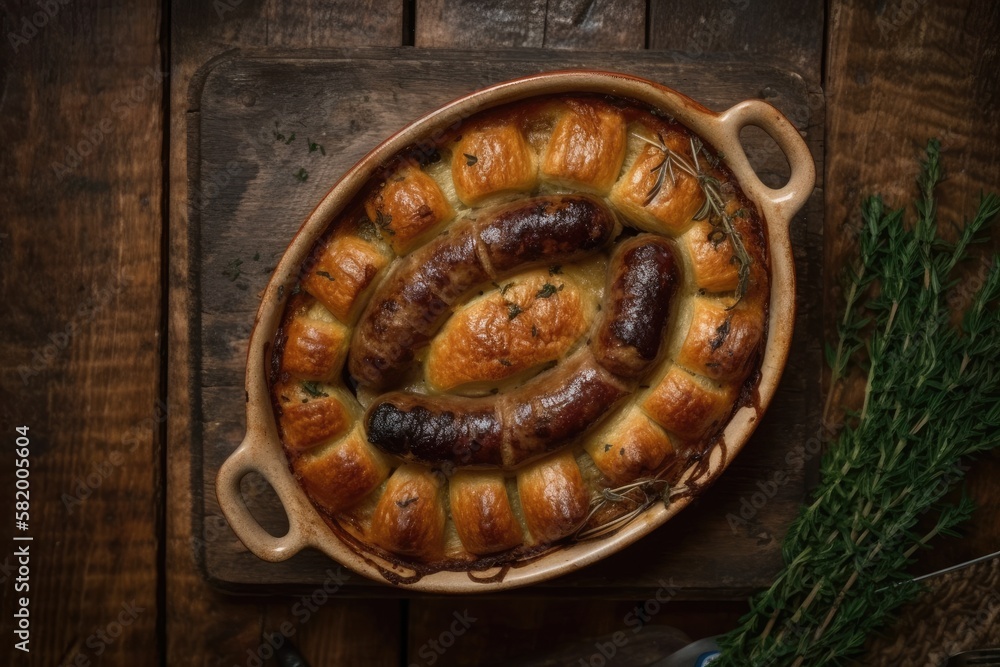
x=713 y=209
x=635 y=497
x=932 y=398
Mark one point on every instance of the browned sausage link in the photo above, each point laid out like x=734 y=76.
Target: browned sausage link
x=557 y=406
x=407 y=309
x=501 y=431
x=545 y=229
x=642 y=279
x=433 y=430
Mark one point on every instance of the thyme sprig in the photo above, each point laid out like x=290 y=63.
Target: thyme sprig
x=712 y=209
x=931 y=399
x=636 y=497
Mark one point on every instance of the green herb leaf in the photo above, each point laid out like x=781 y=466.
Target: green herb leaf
x=470 y=159
x=930 y=402
x=233 y=270
x=313 y=389
x=302 y=175
x=548 y=290
x=313 y=146
x=513 y=310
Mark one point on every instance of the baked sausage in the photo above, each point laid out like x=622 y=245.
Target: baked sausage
x=642 y=280
x=496 y=431
x=408 y=308
x=558 y=405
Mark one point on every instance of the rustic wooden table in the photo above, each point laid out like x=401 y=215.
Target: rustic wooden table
x=95 y=270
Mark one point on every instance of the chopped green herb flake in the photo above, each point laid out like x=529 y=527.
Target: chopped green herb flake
x=302 y=175
x=232 y=270
x=327 y=276
x=548 y=289
x=470 y=159
x=312 y=388
x=313 y=146
x=513 y=310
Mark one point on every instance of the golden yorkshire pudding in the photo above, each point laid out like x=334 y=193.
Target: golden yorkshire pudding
x=528 y=331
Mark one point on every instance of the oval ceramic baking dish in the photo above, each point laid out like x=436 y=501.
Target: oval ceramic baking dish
x=262 y=451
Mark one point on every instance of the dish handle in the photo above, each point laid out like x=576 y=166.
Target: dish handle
x=788 y=199
x=227 y=486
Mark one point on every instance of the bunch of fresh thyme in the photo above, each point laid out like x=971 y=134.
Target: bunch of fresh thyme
x=932 y=398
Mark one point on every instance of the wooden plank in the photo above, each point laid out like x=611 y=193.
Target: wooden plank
x=204 y=626
x=336 y=23
x=553 y=633
x=332 y=631
x=80 y=284
x=927 y=70
x=349 y=100
x=785 y=33
x=590 y=24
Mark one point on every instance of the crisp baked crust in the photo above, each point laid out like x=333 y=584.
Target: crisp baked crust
x=517 y=328
x=481 y=342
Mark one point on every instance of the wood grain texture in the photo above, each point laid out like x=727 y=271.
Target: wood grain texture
x=80 y=284
x=204 y=626
x=350 y=100
x=560 y=24
x=337 y=23
x=926 y=70
x=786 y=33
x=346 y=633
x=558 y=633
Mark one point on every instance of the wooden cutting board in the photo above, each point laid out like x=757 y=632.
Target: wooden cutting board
x=269 y=134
